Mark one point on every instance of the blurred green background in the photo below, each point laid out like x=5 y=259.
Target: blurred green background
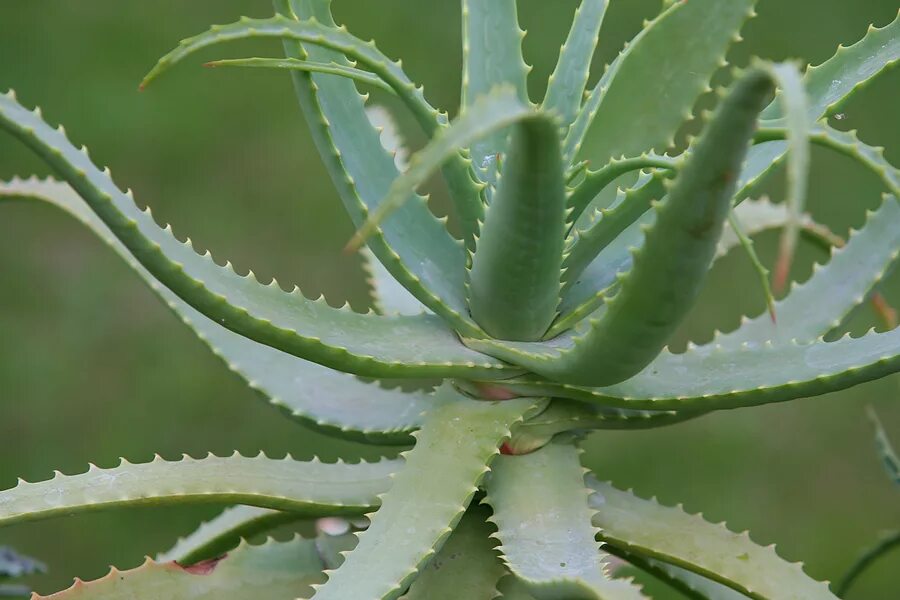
x=93 y=367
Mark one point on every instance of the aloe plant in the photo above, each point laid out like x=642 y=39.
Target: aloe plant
x=487 y=357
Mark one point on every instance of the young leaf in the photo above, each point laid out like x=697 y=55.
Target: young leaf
x=625 y=112
x=514 y=281
x=646 y=528
x=427 y=497
x=309 y=488
x=544 y=526
x=632 y=328
x=565 y=87
x=492 y=55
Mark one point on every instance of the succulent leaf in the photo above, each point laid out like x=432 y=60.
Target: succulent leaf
x=836 y=288
x=271 y=570
x=886 y=544
x=692 y=585
x=264 y=313
x=544 y=526
x=632 y=328
x=514 y=281
x=389 y=297
x=566 y=85
x=427 y=497
x=624 y=110
x=646 y=528
x=416 y=249
x=748 y=375
x=467 y=565
x=492 y=55
x=761 y=271
x=295 y=64
x=301 y=389
x=309 y=488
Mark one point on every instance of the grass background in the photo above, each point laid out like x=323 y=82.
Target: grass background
x=93 y=367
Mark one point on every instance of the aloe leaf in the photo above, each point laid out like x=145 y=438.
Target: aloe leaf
x=310 y=488
x=544 y=526
x=467 y=565
x=761 y=271
x=635 y=324
x=625 y=113
x=565 y=88
x=886 y=544
x=514 y=280
x=301 y=389
x=225 y=532
x=749 y=375
x=834 y=82
x=492 y=55
x=492 y=112
x=513 y=588
x=264 y=313
x=605 y=225
x=271 y=570
x=389 y=297
x=695 y=587
x=836 y=288
x=596 y=181
x=845 y=142
x=885 y=449
x=295 y=64
x=427 y=498
x=646 y=528
x=762 y=159
x=359 y=166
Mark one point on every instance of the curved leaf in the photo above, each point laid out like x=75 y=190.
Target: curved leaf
x=309 y=488
x=295 y=64
x=467 y=565
x=303 y=390
x=695 y=587
x=885 y=545
x=565 y=88
x=625 y=110
x=544 y=526
x=514 y=280
x=648 y=529
x=264 y=313
x=835 y=288
x=388 y=296
x=427 y=498
x=276 y=570
x=360 y=168
x=622 y=338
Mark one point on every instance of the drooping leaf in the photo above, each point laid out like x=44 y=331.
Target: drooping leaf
x=624 y=115
x=304 y=390
x=265 y=313
x=885 y=545
x=565 y=88
x=492 y=55
x=467 y=565
x=360 y=168
x=427 y=498
x=295 y=64
x=544 y=526
x=632 y=328
x=647 y=529
x=309 y=488
x=514 y=281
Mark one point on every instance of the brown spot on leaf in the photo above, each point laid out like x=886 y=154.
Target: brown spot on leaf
x=204 y=567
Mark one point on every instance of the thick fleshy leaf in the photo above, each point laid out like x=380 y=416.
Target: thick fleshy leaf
x=492 y=55
x=835 y=288
x=295 y=64
x=417 y=249
x=831 y=84
x=224 y=533
x=467 y=566
x=625 y=335
x=388 y=296
x=544 y=526
x=748 y=375
x=310 y=488
x=427 y=498
x=330 y=401
x=265 y=313
x=624 y=115
x=275 y=570
x=645 y=528
x=565 y=88
x=514 y=280
x=886 y=544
